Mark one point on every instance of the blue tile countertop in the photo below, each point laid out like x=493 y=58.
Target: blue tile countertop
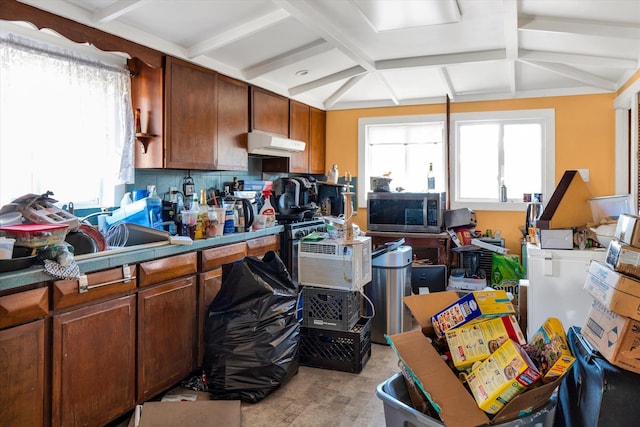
x=128 y=255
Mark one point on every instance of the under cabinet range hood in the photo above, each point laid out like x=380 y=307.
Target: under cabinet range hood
x=276 y=146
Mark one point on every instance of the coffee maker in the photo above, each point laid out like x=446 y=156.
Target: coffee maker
x=330 y=199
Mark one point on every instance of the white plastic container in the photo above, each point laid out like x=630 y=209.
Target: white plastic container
x=6 y=247
x=611 y=207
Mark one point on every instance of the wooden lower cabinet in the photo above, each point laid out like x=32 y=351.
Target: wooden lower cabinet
x=209 y=286
x=22 y=368
x=166 y=335
x=93 y=363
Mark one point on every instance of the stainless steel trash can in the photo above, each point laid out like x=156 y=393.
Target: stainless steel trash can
x=390 y=282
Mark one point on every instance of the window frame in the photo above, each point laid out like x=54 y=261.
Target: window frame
x=547 y=116
x=363 y=151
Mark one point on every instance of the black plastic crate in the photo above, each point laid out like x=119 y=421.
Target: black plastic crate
x=333 y=309
x=337 y=350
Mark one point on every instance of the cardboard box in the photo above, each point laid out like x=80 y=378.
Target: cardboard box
x=454 y=403
x=506 y=373
x=472 y=307
x=473 y=343
x=623 y=258
x=628 y=229
x=549 y=350
x=616 y=337
x=617 y=292
x=560 y=238
x=199 y=413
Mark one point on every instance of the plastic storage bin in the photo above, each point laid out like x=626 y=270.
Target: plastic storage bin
x=334 y=309
x=35 y=235
x=337 y=350
x=399 y=412
x=610 y=206
x=146 y=212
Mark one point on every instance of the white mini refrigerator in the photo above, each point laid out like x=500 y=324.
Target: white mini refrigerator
x=556 y=285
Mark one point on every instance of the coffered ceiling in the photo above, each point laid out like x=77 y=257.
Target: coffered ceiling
x=339 y=54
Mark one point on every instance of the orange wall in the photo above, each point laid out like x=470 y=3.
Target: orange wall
x=585 y=138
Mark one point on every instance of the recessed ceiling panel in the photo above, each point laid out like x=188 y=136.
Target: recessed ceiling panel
x=579 y=44
x=413 y=83
x=187 y=22
x=264 y=45
x=595 y=10
x=384 y=15
x=317 y=67
x=482 y=77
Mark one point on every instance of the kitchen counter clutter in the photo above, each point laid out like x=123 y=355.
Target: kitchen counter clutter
x=134 y=319
x=129 y=255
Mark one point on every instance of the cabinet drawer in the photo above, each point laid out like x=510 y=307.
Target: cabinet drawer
x=163 y=269
x=93 y=286
x=216 y=257
x=262 y=245
x=23 y=307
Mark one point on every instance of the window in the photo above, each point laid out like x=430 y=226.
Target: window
x=402 y=147
x=66 y=124
x=488 y=149
x=510 y=148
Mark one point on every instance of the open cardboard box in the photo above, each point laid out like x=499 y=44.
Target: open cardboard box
x=454 y=403
x=200 y=412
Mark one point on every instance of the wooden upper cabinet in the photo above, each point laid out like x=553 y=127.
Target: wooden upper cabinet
x=299 y=129
x=233 y=124
x=269 y=112
x=190 y=115
x=317 y=141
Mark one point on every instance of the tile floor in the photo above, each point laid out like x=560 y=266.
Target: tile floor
x=327 y=398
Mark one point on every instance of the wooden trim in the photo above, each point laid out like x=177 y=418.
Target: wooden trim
x=23 y=307
x=77 y=32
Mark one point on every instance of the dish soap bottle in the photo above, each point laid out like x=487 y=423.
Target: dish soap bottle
x=267 y=210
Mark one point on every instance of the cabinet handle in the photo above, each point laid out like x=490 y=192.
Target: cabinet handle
x=83 y=282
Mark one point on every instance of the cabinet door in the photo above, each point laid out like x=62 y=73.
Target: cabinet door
x=22 y=366
x=166 y=335
x=317 y=141
x=233 y=124
x=146 y=95
x=93 y=363
x=190 y=115
x=269 y=112
x=209 y=285
x=299 y=116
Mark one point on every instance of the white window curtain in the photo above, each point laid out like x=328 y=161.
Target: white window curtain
x=66 y=124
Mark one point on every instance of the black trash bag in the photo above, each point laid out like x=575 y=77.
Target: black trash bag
x=251 y=330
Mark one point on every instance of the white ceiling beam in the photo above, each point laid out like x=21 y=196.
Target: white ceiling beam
x=310 y=50
x=237 y=32
x=446 y=82
x=441 y=60
x=341 y=75
x=575 y=59
x=335 y=97
x=575 y=74
x=116 y=10
x=510 y=22
x=304 y=11
x=580 y=26
x=385 y=83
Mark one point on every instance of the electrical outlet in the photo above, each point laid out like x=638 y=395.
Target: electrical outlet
x=584 y=173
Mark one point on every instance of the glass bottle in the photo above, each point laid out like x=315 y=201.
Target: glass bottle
x=202 y=223
x=431 y=179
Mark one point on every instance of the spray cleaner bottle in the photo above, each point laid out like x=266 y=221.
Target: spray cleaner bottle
x=267 y=209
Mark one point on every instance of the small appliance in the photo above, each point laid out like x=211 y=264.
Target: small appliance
x=405 y=212
x=330 y=199
x=335 y=264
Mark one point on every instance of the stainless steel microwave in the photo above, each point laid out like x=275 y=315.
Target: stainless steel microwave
x=405 y=212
